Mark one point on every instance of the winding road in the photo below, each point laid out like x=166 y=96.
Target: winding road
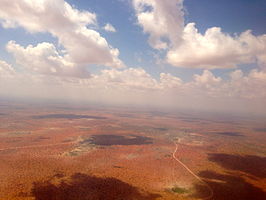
x=174 y=156
x=192 y=173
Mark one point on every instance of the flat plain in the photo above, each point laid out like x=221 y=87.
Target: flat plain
x=56 y=152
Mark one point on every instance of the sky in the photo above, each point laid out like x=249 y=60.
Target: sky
x=206 y=55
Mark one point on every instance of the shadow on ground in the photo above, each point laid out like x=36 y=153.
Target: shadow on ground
x=233 y=134
x=228 y=187
x=66 y=116
x=108 y=140
x=252 y=165
x=260 y=129
x=232 y=186
x=85 y=187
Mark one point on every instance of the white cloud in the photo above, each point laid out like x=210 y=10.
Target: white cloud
x=130 y=79
x=135 y=86
x=186 y=47
x=162 y=20
x=71 y=26
x=169 y=81
x=251 y=86
x=44 y=59
x=216 y=49
x=109 y=28
x=5 y=69
x=207 y=78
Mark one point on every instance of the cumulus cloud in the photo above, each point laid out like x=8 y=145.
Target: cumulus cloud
x=169 y=81
x=207 y=78
x=186 y=47
x=162 y=20
x=251 y=86
x=239 y=92
x=72 y=27
x=5 y=69
x=216 y=49
x=45 y=59
x=109 y=28
x=130 y=80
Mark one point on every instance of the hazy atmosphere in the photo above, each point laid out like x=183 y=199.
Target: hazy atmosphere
x=204 y=55
x=132 y=100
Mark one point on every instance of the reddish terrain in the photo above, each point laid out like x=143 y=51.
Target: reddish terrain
x=82 y=153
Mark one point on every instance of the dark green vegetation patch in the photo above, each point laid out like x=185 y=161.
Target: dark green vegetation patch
x=179 y=190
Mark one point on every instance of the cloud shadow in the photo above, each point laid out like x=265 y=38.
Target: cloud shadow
x=250 y=164
x=85 y=187
x=228 y=187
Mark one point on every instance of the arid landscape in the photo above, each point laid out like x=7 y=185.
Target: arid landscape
x=66 y=152
x=132 y=100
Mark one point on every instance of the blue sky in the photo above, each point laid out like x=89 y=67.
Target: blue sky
x=232 y=16
x=198 y=48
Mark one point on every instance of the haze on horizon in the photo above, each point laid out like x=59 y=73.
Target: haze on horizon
x=177 y=54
